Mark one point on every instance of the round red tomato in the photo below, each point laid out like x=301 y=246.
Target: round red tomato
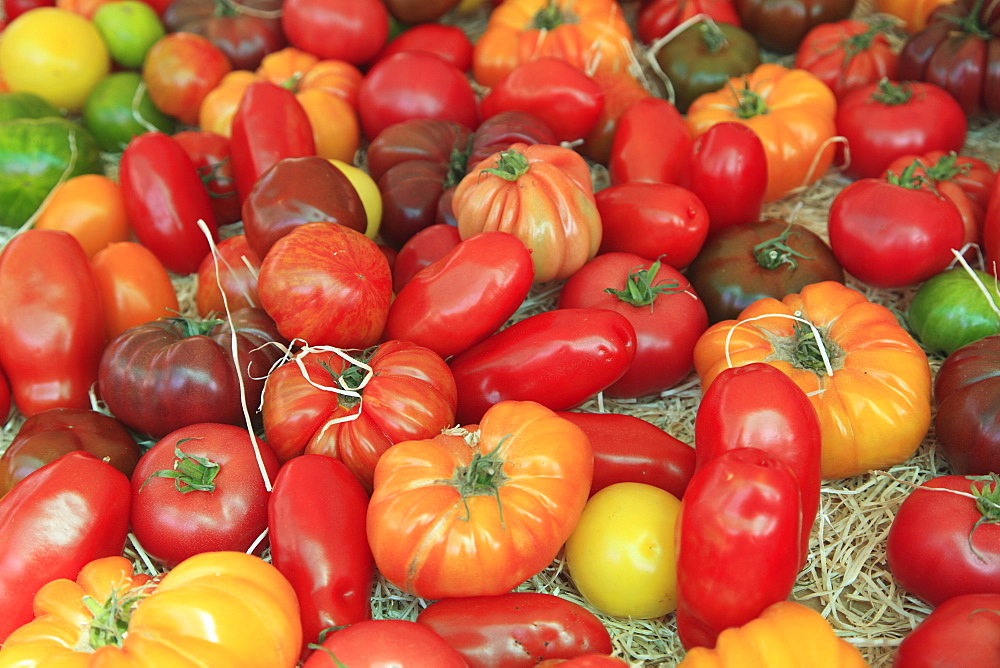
x=848 y=53
x=233 y=273
x=962 y=631
x=385 y=642
x=201 y=489
x=180 y=69
x=351 y=30
x=667 y=315
x=448 y=41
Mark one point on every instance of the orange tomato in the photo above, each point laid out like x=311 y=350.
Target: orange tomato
x=90 y=207
x=134 y=287
x=298 y=70
x=913 y=13
x=219 y=106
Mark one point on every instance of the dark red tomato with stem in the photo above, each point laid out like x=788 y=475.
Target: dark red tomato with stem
x=316 y=528
x=885 y=120
x=630 y=449
x=51 y=321
x=759 y=406
x=848 y=53
x=361 y=27
x=231 y=272
x=448 y=41
x=556 y=358
x=244 y=30
x=164 y=199
x=973 y=620
x=202 y=488
x=46 y=436
x=385 y=642
x=211 y=156
x=423 y=248
x=652 y=220
x=781 y=26
x=564 y=97
x=442 y=307
x=516 y=630
x=665 y=312
x=179 y=70
x=651 y=143
x=942 y=544
x=657 y=18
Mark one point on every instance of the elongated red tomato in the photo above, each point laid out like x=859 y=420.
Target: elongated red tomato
x=652 y=143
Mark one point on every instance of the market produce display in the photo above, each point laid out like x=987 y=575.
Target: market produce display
x=499 y=333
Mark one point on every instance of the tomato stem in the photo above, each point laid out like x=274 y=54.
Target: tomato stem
x=971 y=23
x=110 y=621
x=713 y=37
x=191 y=473
x=857 y=44
x=806 y=350
x=551 y=17
x=640 y=289
x=947 y=168
x=911 y=178
x=774 y=252
x=892 y=94
x=987 y=503
x=510 y=166
x=483 y=475
x=749 y=103
x=193 y=326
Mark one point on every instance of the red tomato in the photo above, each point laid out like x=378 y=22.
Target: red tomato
x=385 y=642
x=201 y=489
x=448 y=41
x=134 y=287
x=361 y=28
x=651 y=143
x=4 y=399
x=962 y=631
x=233 y=273
x=415 y=84
x=666 y=314
x=847 y=54
x=564 y=97
x=658 y=17
x=423 y=248
x=621 y=90
x=442 y=307
x=326 y=284
x=209 y=151
x=179 y=70
x=728 y=173
x=51 y=322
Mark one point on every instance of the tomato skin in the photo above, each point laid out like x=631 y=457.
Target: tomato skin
x=781 y=27
x=658 y=17
x=651 y=143
x=5 y=403
x=448 y=41
x=515 y=629
x=244 y=37
x=558 y=358
x=134 y=287
x=385 y=642
x=971 y=617
x=237 y=267
x=728 y=173
x=933 y=528
x=847 y=54
x=51 y=321
x=33 y=549
x=629 y=449
x=316 y=527
x=424 y=248
x=442 y=307
x=951 y=309
x=179 y=70
x=91 y=208
x=164 y=200
x=209 y=151
x=361 y=26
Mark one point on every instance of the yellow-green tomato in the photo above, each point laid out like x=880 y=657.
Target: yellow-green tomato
x=129 y=28
x=55 y=54
x=621 y=554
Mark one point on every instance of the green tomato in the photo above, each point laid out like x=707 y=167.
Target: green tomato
x=24 y=105
x=119 y=108
x=950 y=310
x=129 y=27
x=621 y=554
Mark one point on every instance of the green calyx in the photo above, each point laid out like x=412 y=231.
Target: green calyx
x=857 y=44
x=947 y=168
x=187 y=327
x=640 y=290
x=191 y=473
x=510 y=165
x=987 y=497
x=749 y=103
x=484 y=475
x=110 y=621
x=911 y=178
x=775 y=252
x=805 y=350
x=551 y=16
x=892 y=94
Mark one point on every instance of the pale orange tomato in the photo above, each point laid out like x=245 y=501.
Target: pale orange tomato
x=90 y=207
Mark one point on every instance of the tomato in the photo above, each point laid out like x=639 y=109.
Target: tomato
x=179 y=70
x=767 y=258
x=738 y=548
x=657 y=18
x=368 y=191
x=966 y=422
x=419 y=11
x=134 y=287
x=173 y=372
x=361 y=27
x=55 y=54
x=119 y=108
x=847 y=54
x=558 y=358
x=934 y=527
x=913 y=13
x=565 y=98
x=129 y=28
x=651 y=143
x=780 y=26
x=164 y=200
x=666 y=314
x=442 y=306
x=971 y=617
x=88 y=206
x=516 y=629
x=477 y=510
x=728 y=173
x=585 y=661
x=991 y=229
x=603 y=562
x=209 y=151
x=51 y=321
x=653 y=220
x=954 y=308
x=228 y=281
x=388 y=642
x=326 y=284
x=14 y=8
x=621 y=90
x=448 y=41
x=886 y=120
x=415 y=84
x=422 y=249
x=5 y=403
x=244 y=32
x=888 y=234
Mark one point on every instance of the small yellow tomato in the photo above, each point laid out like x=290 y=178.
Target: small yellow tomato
x=54 y=53
x=369 y=193
x=621 y=555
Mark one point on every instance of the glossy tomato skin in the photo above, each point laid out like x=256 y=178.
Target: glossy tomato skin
x=164 y=199
x=172 y=522
x=515 y=630
x=39 y=542
x=211 y=156
x=657 y=18
x=419 y=11
x=728 y=173
x=385 y=642
x=51 y=321
x=134 y=287
x=172 y=372
x=244 y=37
x=781 y=26
x=847 y=54
x=971 y=619
x=630 y=449
x=316 y=528
x=651 y=143
x=423 y=248
x=558 y=358
x=663 y=309
x=934 y=528
x=179 y=70
x=767 y=258
x=448 y=41
x=361 y=27
x=5 y=403
x=233 y=273
x=443 y=307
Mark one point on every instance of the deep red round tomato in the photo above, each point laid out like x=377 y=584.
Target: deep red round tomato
x=209 y=151
x=245 y=31
x=385 y=642
x=652 y=143
x=423 y=248
x=448 y=41
x=179 y=70
x=667 y=315
x=848 y=53
x=653 y=220
x=939 y=546
x=962 y=631
x=361 y=28
x=415 y=84
x=201 y=489
x=781 y=26
x=232 y=272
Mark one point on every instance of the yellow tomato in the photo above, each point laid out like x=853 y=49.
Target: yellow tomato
x=369 y=193
x=621 y=554
x=54 y=53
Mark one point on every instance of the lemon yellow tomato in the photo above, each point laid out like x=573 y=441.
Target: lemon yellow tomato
x=621 y=554
x=54 y=53
x=369 y=193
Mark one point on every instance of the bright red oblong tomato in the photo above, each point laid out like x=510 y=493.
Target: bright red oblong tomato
x=385 y=642
x=361 y=28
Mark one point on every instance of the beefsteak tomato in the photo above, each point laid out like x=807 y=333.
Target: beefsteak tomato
x=847 y=54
